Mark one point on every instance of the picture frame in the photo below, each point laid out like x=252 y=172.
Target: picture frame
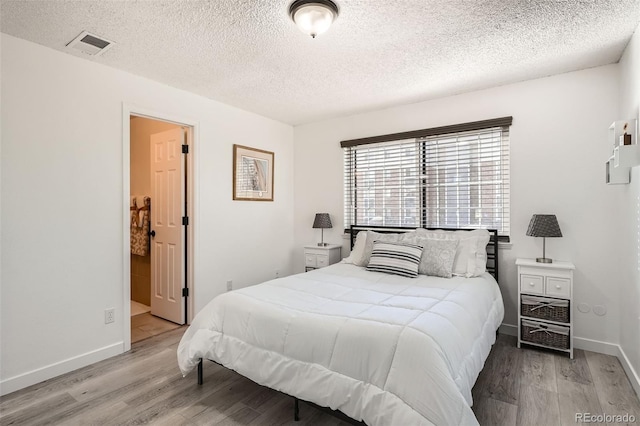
x=252 y=174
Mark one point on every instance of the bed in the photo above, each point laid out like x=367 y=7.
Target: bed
x=380 y=348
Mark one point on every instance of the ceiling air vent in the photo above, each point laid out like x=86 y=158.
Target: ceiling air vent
x=90 y=44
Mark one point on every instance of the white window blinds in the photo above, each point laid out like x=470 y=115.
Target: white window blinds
x=450 y=180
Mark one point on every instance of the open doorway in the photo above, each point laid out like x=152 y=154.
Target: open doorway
x=158 y=224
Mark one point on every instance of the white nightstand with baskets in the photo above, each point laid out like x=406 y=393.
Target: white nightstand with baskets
x=545 y=295
x=320 y=256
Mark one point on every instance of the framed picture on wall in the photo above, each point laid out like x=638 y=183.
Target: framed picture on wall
x=252 y=174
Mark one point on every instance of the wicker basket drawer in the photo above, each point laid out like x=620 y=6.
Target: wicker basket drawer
x=544 y=308
x=554 y=336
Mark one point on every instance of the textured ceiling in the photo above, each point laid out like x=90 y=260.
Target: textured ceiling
x=248 y=53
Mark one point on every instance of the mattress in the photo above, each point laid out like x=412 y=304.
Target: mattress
x=381 y=348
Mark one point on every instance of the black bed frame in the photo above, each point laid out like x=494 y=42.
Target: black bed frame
x=492 y=268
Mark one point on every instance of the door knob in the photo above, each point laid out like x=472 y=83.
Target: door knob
x=152 y=233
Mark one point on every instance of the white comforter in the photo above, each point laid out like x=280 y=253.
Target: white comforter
x=381 y=348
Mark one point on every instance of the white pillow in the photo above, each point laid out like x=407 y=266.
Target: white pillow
x=471 y=252
x=373 y=236
x=481 y=253
x=357 y=252
x=409 y=236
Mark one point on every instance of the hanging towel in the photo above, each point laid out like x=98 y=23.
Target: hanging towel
x=133 y=212
x=140 y=234
x=140 y=237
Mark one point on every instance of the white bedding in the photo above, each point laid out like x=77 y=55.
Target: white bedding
x=380 y=348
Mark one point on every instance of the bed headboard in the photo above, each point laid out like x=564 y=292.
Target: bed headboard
x=492 y=247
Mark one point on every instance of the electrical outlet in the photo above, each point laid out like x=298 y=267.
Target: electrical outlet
x=109 y=315
x=229 y=285
x=600 y=310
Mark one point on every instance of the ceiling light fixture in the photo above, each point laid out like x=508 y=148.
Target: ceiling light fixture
x=313 y=17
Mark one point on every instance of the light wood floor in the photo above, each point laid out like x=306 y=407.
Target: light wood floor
x=146 y=325
x=538 y=387
x=523 y=387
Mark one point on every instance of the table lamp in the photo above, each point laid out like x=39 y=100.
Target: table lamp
x=322 y=221
x=544 y=225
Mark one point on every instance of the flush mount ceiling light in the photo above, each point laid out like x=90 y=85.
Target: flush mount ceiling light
x=313 y=17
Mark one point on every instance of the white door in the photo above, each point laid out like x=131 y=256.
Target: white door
x=167 y=206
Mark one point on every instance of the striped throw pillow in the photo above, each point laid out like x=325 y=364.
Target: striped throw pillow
x=395 y=258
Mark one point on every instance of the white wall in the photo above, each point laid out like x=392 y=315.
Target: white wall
x=630 y=288
x=558 y=149
x=62 y=205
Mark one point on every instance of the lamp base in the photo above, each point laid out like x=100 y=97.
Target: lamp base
x=323 y=244
x=544 y=260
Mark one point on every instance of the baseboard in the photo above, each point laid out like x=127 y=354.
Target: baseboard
x=21 y=381
x=632 y=374
x=578 y=342
x=596 y=346
x=508 y=329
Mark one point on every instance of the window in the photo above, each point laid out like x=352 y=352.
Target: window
x=448 y=177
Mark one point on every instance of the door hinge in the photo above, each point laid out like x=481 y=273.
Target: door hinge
x=185 y=220
x=185 y=149
x=185 y=292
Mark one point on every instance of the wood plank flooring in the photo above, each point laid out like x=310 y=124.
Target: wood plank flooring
x=146 y=325
x=539 y=387
x=516 y=387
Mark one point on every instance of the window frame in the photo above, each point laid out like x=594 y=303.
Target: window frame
x=503 y=122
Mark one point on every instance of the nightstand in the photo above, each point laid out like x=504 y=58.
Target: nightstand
x=545 y=297
x=320 y=256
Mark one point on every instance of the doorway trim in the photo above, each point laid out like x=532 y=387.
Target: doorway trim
x=191 y=195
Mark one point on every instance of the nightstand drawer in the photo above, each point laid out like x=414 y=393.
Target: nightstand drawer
x=540 y=333
x=545 y=308
x=310 y=260
x=560 y=287
x=532 y=284
x=322 y=260
x=320 y=256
